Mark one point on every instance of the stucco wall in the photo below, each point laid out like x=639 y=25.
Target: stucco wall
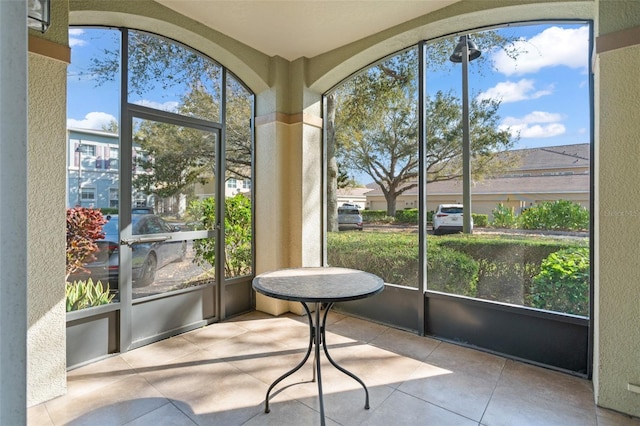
x=46 y=223
x=617 y=352
x=46 y=360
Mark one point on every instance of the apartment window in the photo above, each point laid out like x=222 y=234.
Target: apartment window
x=232 y=183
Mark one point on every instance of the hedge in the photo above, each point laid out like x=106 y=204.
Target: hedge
x=492 y=268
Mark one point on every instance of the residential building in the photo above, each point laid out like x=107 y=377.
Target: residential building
x=540 y=174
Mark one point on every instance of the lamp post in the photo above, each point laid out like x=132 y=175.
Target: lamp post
x=465 y=51
x=79 y=151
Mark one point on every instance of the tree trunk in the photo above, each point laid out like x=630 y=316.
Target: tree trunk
x=332 y=166
x=391 y=203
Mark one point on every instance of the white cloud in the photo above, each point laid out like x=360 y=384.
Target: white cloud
x=553 y=47
x=170 y=106
x=538 y=124
x=74 y=39
x=93 y=120
x=509 y=91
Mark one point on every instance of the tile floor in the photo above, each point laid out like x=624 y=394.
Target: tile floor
x=218 y=375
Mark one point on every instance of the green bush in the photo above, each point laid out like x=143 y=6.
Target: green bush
x=109 y=210
x=504 y=217
x=563 y=282
x=480 y=220
x=451 y=272
x=560 y=215
x=374 y=215
x=409 y=216
x=87 y=294
x=237 y=226
x=391 y=256
x=394 y=258
x=430 y=214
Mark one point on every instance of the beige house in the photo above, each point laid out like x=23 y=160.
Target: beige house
x=541 y=174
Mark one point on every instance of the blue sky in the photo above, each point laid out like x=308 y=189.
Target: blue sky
x=544 y=93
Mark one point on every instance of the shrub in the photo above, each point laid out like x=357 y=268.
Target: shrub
x=87 y=294
x=480 y=220
x=84 y=227
x=373 y=215
x=563 y=282
x=394 y=258
x=109 y=210
x=237 y=226
x=558 y=215
x=451 y=272
x=503 y=217
x=407 y=216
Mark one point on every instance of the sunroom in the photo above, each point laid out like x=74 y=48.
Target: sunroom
x=284 y=98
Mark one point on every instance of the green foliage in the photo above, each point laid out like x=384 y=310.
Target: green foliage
x=491 y=268
x=108 y=210
x=373 y=215
x=84 y=227
x=563 y=282
x=238 y=254
x=504 y=217
x=480 y=220
x=87 y=294
x=407 y=216
x=394 y=257
x=562 y=215
x=451 y=271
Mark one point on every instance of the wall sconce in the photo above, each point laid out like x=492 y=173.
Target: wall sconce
x=38 y=14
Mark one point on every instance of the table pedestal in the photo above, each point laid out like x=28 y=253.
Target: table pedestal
x=317 y=338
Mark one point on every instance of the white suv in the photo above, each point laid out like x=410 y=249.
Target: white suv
x=448 y=218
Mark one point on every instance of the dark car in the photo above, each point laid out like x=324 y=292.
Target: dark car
x=147 y=257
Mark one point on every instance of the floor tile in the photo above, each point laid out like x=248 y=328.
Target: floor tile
x=403 y=409
x=167 y=415
x=114 y=404
x=219 y=374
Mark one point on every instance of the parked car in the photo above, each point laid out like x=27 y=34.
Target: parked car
x=448 y=219
x=142 y=210
x=147 y=257
x=349 y=217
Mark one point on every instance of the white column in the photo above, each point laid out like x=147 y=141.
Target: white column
x=13 y=207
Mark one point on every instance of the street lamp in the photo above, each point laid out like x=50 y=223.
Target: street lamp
x=79 y=151
x=465 y=51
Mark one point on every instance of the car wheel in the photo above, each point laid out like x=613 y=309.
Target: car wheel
x=149 y=267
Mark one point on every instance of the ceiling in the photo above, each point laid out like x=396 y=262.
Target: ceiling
x=301 y=28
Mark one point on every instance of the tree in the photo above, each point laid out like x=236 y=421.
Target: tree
x=372 y=126
x=174 y=157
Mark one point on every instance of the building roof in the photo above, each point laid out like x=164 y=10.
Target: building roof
x=553 y=184
x=554 y=157
x=517 y=180
x=359 y=191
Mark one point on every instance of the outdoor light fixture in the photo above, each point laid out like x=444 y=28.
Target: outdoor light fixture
x=472 y=49
x=38 y=16
x=465 y=51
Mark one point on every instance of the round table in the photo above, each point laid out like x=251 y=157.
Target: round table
x=321 y=286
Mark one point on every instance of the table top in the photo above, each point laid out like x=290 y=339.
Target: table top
x=318 y=284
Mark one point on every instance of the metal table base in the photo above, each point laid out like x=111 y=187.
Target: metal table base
x=317 y=338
